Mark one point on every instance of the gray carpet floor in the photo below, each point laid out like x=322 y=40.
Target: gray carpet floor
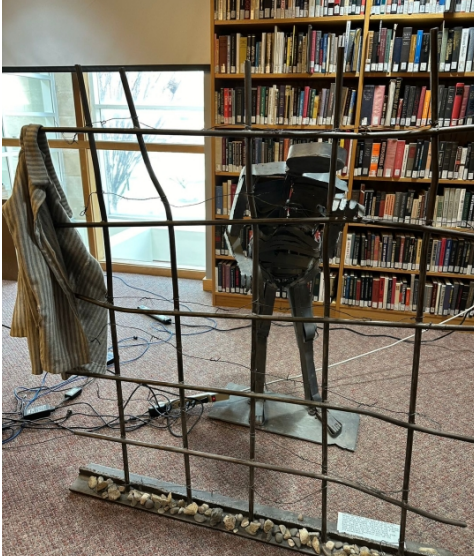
x=41 y=516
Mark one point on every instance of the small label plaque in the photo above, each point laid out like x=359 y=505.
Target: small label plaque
x=366 y=528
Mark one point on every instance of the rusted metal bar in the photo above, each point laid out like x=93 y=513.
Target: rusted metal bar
x=255 y=280
x=219 y=222
x=327 y=291
x=434 y=82
x=280 y=469
x=282 y=318
x=294 y=401
x=108 y=262
x=295 y=134
x=174 y=275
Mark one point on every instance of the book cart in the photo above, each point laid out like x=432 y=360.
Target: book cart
x=387 y=58
x=158 y=486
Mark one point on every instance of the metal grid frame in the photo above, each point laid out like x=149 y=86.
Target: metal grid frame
x=434 y=132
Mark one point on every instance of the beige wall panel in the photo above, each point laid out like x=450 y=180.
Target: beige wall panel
x=105 y=32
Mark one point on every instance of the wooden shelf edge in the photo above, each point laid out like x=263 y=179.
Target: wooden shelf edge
x=390 y=270
x=412 y=180
x=287 y=21
x=381 y=225
x=347 y=75
x=418 y=74
x=378 y=314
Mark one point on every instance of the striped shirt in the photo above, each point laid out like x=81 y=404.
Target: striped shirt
x=64 y=333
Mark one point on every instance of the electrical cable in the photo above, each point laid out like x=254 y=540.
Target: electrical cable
x=371 y=352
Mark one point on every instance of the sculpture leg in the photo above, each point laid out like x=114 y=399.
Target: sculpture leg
x=267 y=297
x=301 y=302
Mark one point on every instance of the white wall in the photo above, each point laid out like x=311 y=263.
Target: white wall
x=105 y=32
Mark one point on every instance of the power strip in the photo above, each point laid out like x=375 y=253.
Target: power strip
x=166 y=407
x=38 y=412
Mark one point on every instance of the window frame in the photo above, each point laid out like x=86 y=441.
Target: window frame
x=82 y=145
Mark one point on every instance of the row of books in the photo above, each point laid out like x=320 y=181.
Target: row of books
x=285 y=9
x=403 y=251
x=382 y=7
x=290 y=9
x=231 y=154
x=310 y=51
x=229 y=279
x=318 y=286
x=399 y=159
x=441 y=296
x=454 y=208
x=284 y=105
x=224 y=197
x=410 y=106
x=410 y=52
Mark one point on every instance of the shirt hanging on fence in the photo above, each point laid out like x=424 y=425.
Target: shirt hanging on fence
x=64 y=333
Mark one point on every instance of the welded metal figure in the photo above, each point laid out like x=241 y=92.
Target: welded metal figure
x=289 y=255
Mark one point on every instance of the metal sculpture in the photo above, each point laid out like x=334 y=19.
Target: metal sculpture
x=289 y=255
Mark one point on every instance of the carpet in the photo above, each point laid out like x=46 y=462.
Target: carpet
x=41 y=516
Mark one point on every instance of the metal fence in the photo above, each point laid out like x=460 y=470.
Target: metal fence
x=248 y=134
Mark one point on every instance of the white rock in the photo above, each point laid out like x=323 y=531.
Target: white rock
x=229 y=522
x=427 y=550
x=114 y=494
x=283 y=529
x=287 y=535
x=304 y=535
x=191 y=509
x=329 y=545
x=316 y=546
x=291 y=542
x=92 y=481
x=253 y=527
x=364 y=551
x=244 y=523
x=268 y=525
x=300 y=517
x=144 y=498
x=101 y=485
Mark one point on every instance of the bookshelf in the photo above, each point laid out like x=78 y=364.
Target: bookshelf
x=357 y=22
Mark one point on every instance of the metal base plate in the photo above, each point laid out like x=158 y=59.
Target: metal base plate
x=287 y=419
x=232 y=506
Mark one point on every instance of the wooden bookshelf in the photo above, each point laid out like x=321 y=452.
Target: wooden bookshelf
x=336 y=24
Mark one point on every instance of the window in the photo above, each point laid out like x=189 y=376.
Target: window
x=163 y=100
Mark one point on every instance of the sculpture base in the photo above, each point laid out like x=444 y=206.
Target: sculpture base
x=287 y=419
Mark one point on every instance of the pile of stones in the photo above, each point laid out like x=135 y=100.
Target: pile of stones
x=265 y=529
